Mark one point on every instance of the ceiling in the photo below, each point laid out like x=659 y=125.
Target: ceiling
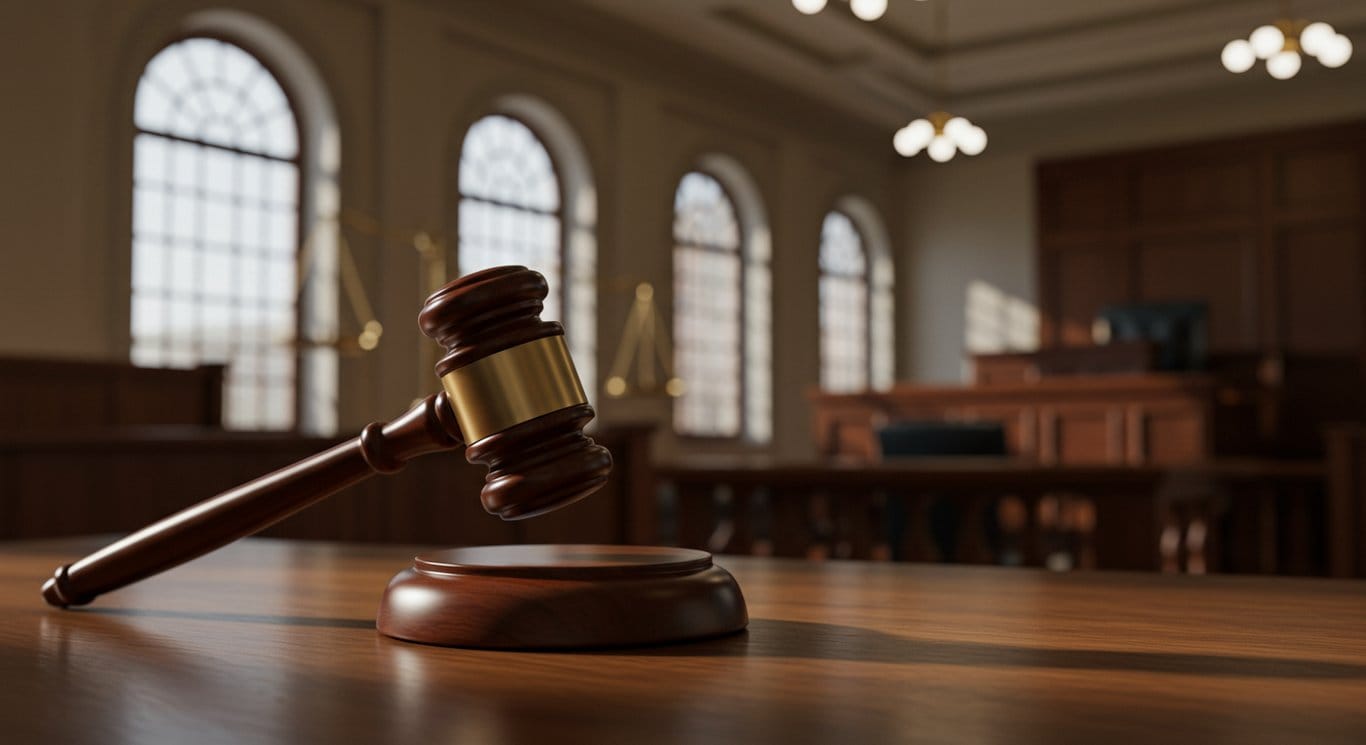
x=984 y=58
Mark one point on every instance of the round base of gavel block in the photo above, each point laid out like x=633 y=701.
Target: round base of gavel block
x=561 y=597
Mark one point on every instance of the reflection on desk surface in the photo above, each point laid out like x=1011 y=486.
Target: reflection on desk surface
x=271 y=641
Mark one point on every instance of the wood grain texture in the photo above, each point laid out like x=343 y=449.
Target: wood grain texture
x=1063 y=419
x=271 y=641
x=565 y=596
x=55 y=395
x=1265 y=228
x=72 y=484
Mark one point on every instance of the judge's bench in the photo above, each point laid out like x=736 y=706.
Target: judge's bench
x=1130 y=408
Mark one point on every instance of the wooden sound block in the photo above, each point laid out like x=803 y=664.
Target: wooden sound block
x=561 y=596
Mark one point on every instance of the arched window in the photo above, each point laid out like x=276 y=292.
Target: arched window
x=510 y=204
x=721 y=306
x=216 y=228
x=844 y=302
x=527 y=197
x=856 y=305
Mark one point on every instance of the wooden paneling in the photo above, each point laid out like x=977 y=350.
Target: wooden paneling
x=853 y=437
x=1119 y=357
x=1182 y=190
x=62 y=395
x=1266 y=229
x=1083 y=435
x=1074 y=420
x=1320 y=177
x=1346 y=518
x=1083 y=199
x=1200 y=266
x=1169 y=435
x=115 y=483
x=989 y=369
x=1087 y=279
x=1321 y=287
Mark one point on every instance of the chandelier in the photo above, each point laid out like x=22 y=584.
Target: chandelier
x=1281 y=44
x=867 y=10
x=940 y=135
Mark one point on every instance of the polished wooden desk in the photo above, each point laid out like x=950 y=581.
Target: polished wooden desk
x=271 y=641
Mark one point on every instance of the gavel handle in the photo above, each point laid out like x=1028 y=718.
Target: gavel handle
x=381 y=448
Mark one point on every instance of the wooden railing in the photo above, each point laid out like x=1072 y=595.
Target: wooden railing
x=117 y=481
x=999 y=511
x=57 y=396
x=1346 y=512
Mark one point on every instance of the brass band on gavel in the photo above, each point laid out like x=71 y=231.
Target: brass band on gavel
x=513 y=386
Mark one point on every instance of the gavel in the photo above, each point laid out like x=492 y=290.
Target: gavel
x=511 y=397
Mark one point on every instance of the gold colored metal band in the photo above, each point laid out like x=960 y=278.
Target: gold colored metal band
x=513 y=386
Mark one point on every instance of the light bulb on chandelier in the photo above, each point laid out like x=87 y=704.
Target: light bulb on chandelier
x=941 y=135
x=1238 y=56
x=1284 y=65
x=1283 y=45
x=1266 y=41
x=941 y=149
x=1317 y=37
x=866 y=10
x=1336 y=52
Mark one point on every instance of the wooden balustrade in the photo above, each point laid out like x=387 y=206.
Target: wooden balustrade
x=117 y=481
x=1346 y=512
x=999 y=511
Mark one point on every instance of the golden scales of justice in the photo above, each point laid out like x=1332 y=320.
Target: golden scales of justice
x=432 y=254
x=361 y=309
x=644 y=347
x=644 y=344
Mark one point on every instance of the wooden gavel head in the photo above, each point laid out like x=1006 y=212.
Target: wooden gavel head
x=514 y=392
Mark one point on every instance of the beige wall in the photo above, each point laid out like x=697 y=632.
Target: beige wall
x=406 y=78
x=973 y=219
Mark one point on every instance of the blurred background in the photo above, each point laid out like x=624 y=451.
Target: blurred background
x=1067 y=283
